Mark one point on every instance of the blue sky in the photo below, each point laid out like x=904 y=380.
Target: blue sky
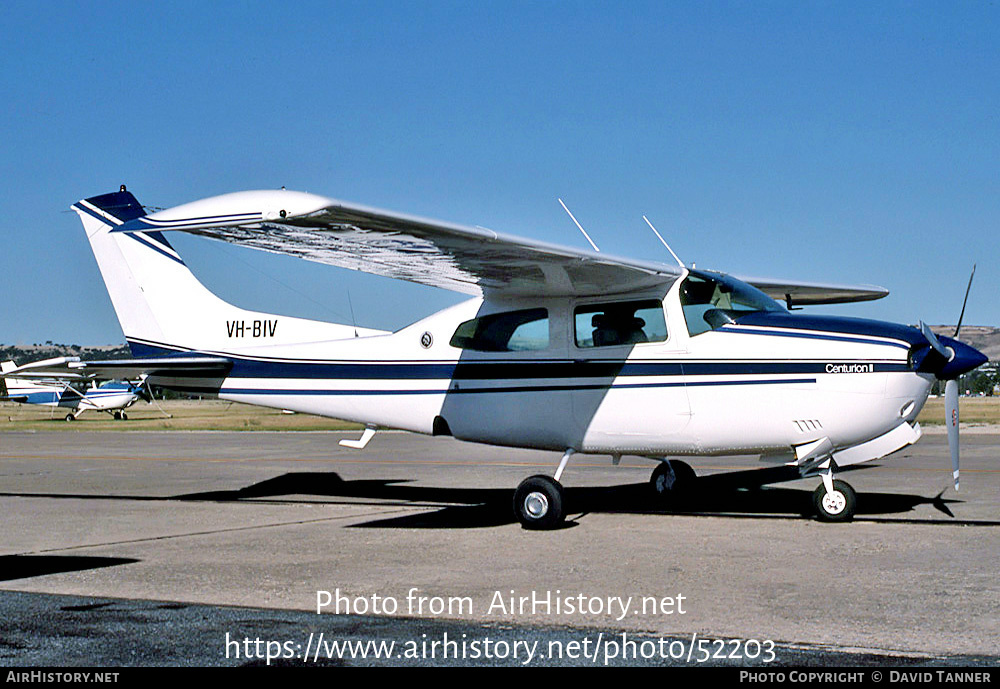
x=840 y=141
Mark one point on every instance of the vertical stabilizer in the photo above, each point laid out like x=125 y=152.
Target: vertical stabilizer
x=162 y=306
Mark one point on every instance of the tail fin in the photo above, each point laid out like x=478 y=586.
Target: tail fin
x=161 y=305
x=19 y=386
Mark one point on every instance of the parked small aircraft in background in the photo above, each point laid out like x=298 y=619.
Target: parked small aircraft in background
x=558 y=348
x=28 y=384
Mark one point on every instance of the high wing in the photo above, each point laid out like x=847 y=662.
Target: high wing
x=470 y=260
x=72 y=368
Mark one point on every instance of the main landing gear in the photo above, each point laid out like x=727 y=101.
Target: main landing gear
x=539 y=502
x=673 y=481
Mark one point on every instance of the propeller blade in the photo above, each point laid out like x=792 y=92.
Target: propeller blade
x=144 y=385
x=951 y=420
x=964 y=302
x=947 y=352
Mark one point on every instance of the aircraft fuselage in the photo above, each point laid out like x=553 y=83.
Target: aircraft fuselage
x=767 y=385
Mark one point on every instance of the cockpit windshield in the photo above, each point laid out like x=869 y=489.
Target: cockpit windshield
x=711 y=300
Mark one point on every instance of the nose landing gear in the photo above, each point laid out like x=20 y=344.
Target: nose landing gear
x=835 y=501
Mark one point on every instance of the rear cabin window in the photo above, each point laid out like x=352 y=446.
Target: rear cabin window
x=513 y=331
x=620 y=323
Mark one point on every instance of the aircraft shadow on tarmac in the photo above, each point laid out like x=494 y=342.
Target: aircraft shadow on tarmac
x=26 y=566
x=732 y=494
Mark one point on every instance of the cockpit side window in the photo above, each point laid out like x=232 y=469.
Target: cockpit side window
x=712 y=301
x=619 y=323
x=512 y=331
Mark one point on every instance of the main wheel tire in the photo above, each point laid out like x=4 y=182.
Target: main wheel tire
x=116 y=415
x=673 y=486
x=538 y=503
x=70 y=417
x=838 y=506
x=124 y=416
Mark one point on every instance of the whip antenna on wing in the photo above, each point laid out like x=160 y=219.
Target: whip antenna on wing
x=664 y=242
x=578 y=225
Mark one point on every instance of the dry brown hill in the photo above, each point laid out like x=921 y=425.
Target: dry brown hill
x=985 y=338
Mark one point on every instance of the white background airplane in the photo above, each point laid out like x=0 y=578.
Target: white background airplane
x=557 y=348
x=27 y=384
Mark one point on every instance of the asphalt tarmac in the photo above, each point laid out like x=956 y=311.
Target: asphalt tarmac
x=177 y=548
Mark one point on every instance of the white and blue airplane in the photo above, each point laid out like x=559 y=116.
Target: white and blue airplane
x=27 y=384
x=556 y=349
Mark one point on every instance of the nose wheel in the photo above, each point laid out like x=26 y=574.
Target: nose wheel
x=835 y=502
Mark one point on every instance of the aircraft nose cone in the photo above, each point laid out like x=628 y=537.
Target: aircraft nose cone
x=966 y=359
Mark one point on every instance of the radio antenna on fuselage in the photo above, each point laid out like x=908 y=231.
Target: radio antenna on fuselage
x=664 y=242
x=579 y=226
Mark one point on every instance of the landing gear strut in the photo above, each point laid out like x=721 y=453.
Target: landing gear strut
x=539 y=500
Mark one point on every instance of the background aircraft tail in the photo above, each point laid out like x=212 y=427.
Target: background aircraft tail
x=17 y=387
x=161 y=305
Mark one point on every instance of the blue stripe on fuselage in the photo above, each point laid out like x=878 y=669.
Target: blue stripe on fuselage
x=507 y=370
x=42 y=398
x=492 y=390
x=838 y=328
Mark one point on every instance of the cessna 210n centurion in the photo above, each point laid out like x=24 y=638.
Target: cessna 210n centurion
x=68 y=391
x=557 y=348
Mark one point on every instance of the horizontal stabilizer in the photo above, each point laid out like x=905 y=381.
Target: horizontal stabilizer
x=126 y=369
